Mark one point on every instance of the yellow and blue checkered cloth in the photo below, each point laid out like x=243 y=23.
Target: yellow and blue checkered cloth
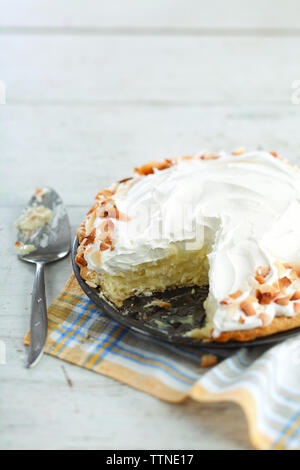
x=264 y=382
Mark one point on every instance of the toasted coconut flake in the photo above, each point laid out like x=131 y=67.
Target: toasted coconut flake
x=124 y=180
x=275 y=154
x=93 y=208
x=209 y=156
x=236 y=294
x=105 y=194
x=102 y=212
x=296 y=295
x=90 y=222
x=226 y=301
x=108 y=209
x=247 y=307
x=284 y=282
x=260 y=279
x=297 y=269
x=282 y=301
x=265 y=298
x=159 y=303
x=297 y=307
x=187 y=157
x=80 y=259
x=89 y=239
x=104 y=237
x=164 y=304
x=266 y=288
x=258 y=294
x=148 y=168
x=263 y=271
x=239 y=151
x=104 y=246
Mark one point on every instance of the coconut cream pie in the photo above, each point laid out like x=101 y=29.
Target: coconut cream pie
x=229 y=221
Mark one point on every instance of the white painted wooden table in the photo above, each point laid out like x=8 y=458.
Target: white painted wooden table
x=93 y=89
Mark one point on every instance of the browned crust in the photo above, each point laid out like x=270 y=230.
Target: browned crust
x=89 y=275
x=79 y=258
x=278 y=324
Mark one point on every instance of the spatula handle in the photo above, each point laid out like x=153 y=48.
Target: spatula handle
x=38 y=322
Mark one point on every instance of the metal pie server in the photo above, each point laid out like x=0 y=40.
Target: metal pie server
x=43 y=237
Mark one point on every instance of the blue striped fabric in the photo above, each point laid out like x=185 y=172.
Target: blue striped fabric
x=272 y=378
x=264 y=382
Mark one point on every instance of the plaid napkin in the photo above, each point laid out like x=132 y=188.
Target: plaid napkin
x=264 y=382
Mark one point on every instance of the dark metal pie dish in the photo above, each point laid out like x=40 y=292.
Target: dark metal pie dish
x=184 y=312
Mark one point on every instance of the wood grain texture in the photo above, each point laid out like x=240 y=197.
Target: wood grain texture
x=82 y=149
x=40 y=410
x=185 y=70
x=94 y=89
x=78 y=150
x=201 y=14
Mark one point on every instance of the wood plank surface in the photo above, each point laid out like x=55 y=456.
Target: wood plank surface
x=185 y=70
x=173 y=14
x=82 y=149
